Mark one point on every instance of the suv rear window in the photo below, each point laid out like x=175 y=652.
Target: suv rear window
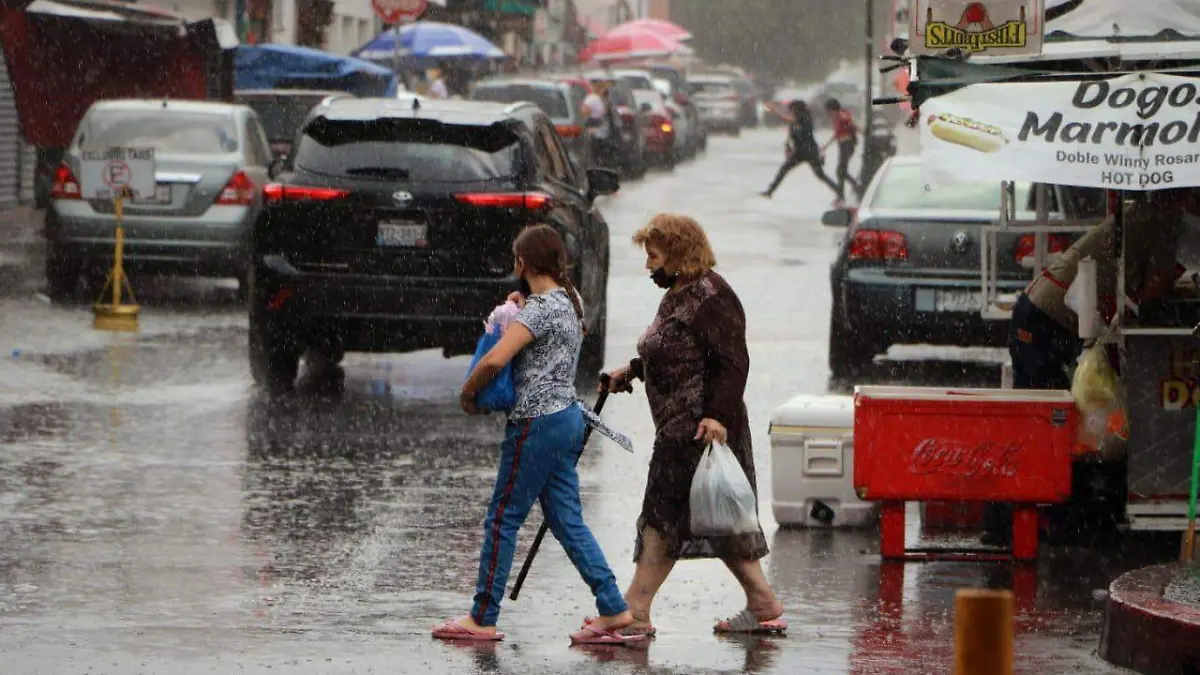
x=903 y=187
x=549 y=99
x=418 y=150
x=169 y=131
x=281 y=116
x=637 y=81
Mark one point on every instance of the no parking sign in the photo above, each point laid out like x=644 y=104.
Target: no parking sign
x=104 y=173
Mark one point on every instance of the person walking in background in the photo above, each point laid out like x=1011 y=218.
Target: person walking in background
x=694 y=362
x=845 y=134
x=801 y=145
x=438 y=88
x=542 y=443
x=595 y=110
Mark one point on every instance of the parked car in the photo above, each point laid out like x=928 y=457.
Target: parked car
x=561 y=101
x=696 y=134
x=211 y=163
x=908 y=268
x=394 y=232
x=630 y=142
x=684 y=114
x=718 y=102
x=658 y=127
x=282 y=111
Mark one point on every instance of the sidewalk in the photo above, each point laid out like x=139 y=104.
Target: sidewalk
x=22 y=251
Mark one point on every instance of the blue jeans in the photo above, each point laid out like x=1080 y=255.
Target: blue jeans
x=537 y=463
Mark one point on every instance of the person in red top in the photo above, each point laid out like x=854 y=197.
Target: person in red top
x=845 y=134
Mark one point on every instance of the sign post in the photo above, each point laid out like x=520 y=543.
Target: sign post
x=117 y=174
x=397 y=13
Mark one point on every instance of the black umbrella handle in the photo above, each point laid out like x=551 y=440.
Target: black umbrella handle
x=605 y=381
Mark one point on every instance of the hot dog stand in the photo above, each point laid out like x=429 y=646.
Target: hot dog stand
x=1118 y=118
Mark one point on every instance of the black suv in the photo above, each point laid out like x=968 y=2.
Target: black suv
x=392 y=230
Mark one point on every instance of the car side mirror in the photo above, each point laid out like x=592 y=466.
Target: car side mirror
x=646 y=107
x=837 y=218
x=603 y=182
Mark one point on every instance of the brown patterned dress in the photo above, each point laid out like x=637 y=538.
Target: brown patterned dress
x=694 y=361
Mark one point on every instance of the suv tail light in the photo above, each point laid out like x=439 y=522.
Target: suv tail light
x=569 y=131
x=65 y=185
x=275 y=192
x=506 y=200
x=1056 y=243
x=239 y=191
x=878 y=245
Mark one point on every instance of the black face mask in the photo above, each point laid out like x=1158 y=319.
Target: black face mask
x=662 y=279
x=523 y=287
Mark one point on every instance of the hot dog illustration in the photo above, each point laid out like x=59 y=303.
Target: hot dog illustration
x=966 y=132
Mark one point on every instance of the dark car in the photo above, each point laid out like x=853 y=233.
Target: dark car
x=908 y=269
x=658 y=127
x=283 y=111
x=394 y=230
x=560 y=101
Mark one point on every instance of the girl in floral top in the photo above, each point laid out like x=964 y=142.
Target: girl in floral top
x=542 y=442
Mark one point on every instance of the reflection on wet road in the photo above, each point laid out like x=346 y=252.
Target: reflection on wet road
x=158 y=514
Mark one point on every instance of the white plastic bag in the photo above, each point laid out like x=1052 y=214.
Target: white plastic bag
x=501 y=316
x=722 y=501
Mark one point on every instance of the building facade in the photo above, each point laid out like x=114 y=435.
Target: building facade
x=353 y=22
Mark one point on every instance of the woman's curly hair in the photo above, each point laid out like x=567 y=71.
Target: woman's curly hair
x=681 y=240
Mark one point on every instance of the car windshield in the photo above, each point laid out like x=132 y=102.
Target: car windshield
x=902 y=187
x=282 y=116
x=167 y=131
x=651 y=97
x=417 y=150
x=636 y=81
x=712 y=87
x=550 y=99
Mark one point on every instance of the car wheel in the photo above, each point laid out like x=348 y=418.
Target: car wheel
x=849 y=353
x=274 y=353
x=62 y=279
x=591 y=356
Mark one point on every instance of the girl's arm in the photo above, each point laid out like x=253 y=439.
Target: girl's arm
x=774 y=108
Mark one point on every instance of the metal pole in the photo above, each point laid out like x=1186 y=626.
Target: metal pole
x=239 y=12
x=870 y=54
x=396 y=48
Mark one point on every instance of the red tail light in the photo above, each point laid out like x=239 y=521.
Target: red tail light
x=279 y=299
x=666 y=128
x=568 y=131
x=238 y=192
x=274 y=192
x=506 y=200
x=878 y=245
x=1056 y=243
x=65 y=185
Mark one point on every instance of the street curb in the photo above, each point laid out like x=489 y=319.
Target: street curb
x=1147 y=633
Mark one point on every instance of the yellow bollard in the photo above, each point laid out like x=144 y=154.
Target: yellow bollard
x=117 y=316
x=983 y=632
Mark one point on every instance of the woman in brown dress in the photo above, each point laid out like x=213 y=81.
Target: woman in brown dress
x=694 y=362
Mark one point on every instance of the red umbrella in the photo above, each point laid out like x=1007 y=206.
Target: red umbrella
x=635 y=44
x=657 y=26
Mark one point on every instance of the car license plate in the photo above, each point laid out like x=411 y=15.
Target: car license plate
x=948 y=300
x=162 y=195
x=406 y=233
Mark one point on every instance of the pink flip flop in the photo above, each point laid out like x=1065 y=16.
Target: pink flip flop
x=746 y=622
x=650 y=631
x=453 y=630
x=590 y=635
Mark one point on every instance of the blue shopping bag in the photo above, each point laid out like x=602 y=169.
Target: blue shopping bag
x=499 y=395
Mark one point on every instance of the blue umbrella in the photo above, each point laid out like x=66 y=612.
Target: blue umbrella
x=271 y=66
x=429 y=39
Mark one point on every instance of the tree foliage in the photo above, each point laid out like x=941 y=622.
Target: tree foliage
x=803 y=39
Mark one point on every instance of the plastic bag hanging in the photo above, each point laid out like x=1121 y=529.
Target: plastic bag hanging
x=722 y=501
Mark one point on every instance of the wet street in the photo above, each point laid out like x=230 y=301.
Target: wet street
x=158 y=514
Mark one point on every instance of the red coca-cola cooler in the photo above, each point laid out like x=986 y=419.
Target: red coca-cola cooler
x=970 y=445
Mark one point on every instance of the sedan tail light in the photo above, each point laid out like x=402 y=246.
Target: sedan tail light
x=569 y=131
x=239 y=191
x=1056 y=243
x=878 y=245
x=66 y=186
x=275 y=192
x=506 y=200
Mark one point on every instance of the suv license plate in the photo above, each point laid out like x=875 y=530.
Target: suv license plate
x=162 y=195
x=401 y=234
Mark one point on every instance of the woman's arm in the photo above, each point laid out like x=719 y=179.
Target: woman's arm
x=721 y=326
x=774 y=108
x=516 y=338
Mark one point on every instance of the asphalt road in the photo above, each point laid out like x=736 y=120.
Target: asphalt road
x=160 y=515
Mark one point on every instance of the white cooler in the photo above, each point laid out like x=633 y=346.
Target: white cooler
x=812 y=464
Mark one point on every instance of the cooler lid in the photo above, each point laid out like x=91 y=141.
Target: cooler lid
x=830 y=411
x=946 y=394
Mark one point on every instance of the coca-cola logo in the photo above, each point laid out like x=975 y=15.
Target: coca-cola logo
x=934 y=456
